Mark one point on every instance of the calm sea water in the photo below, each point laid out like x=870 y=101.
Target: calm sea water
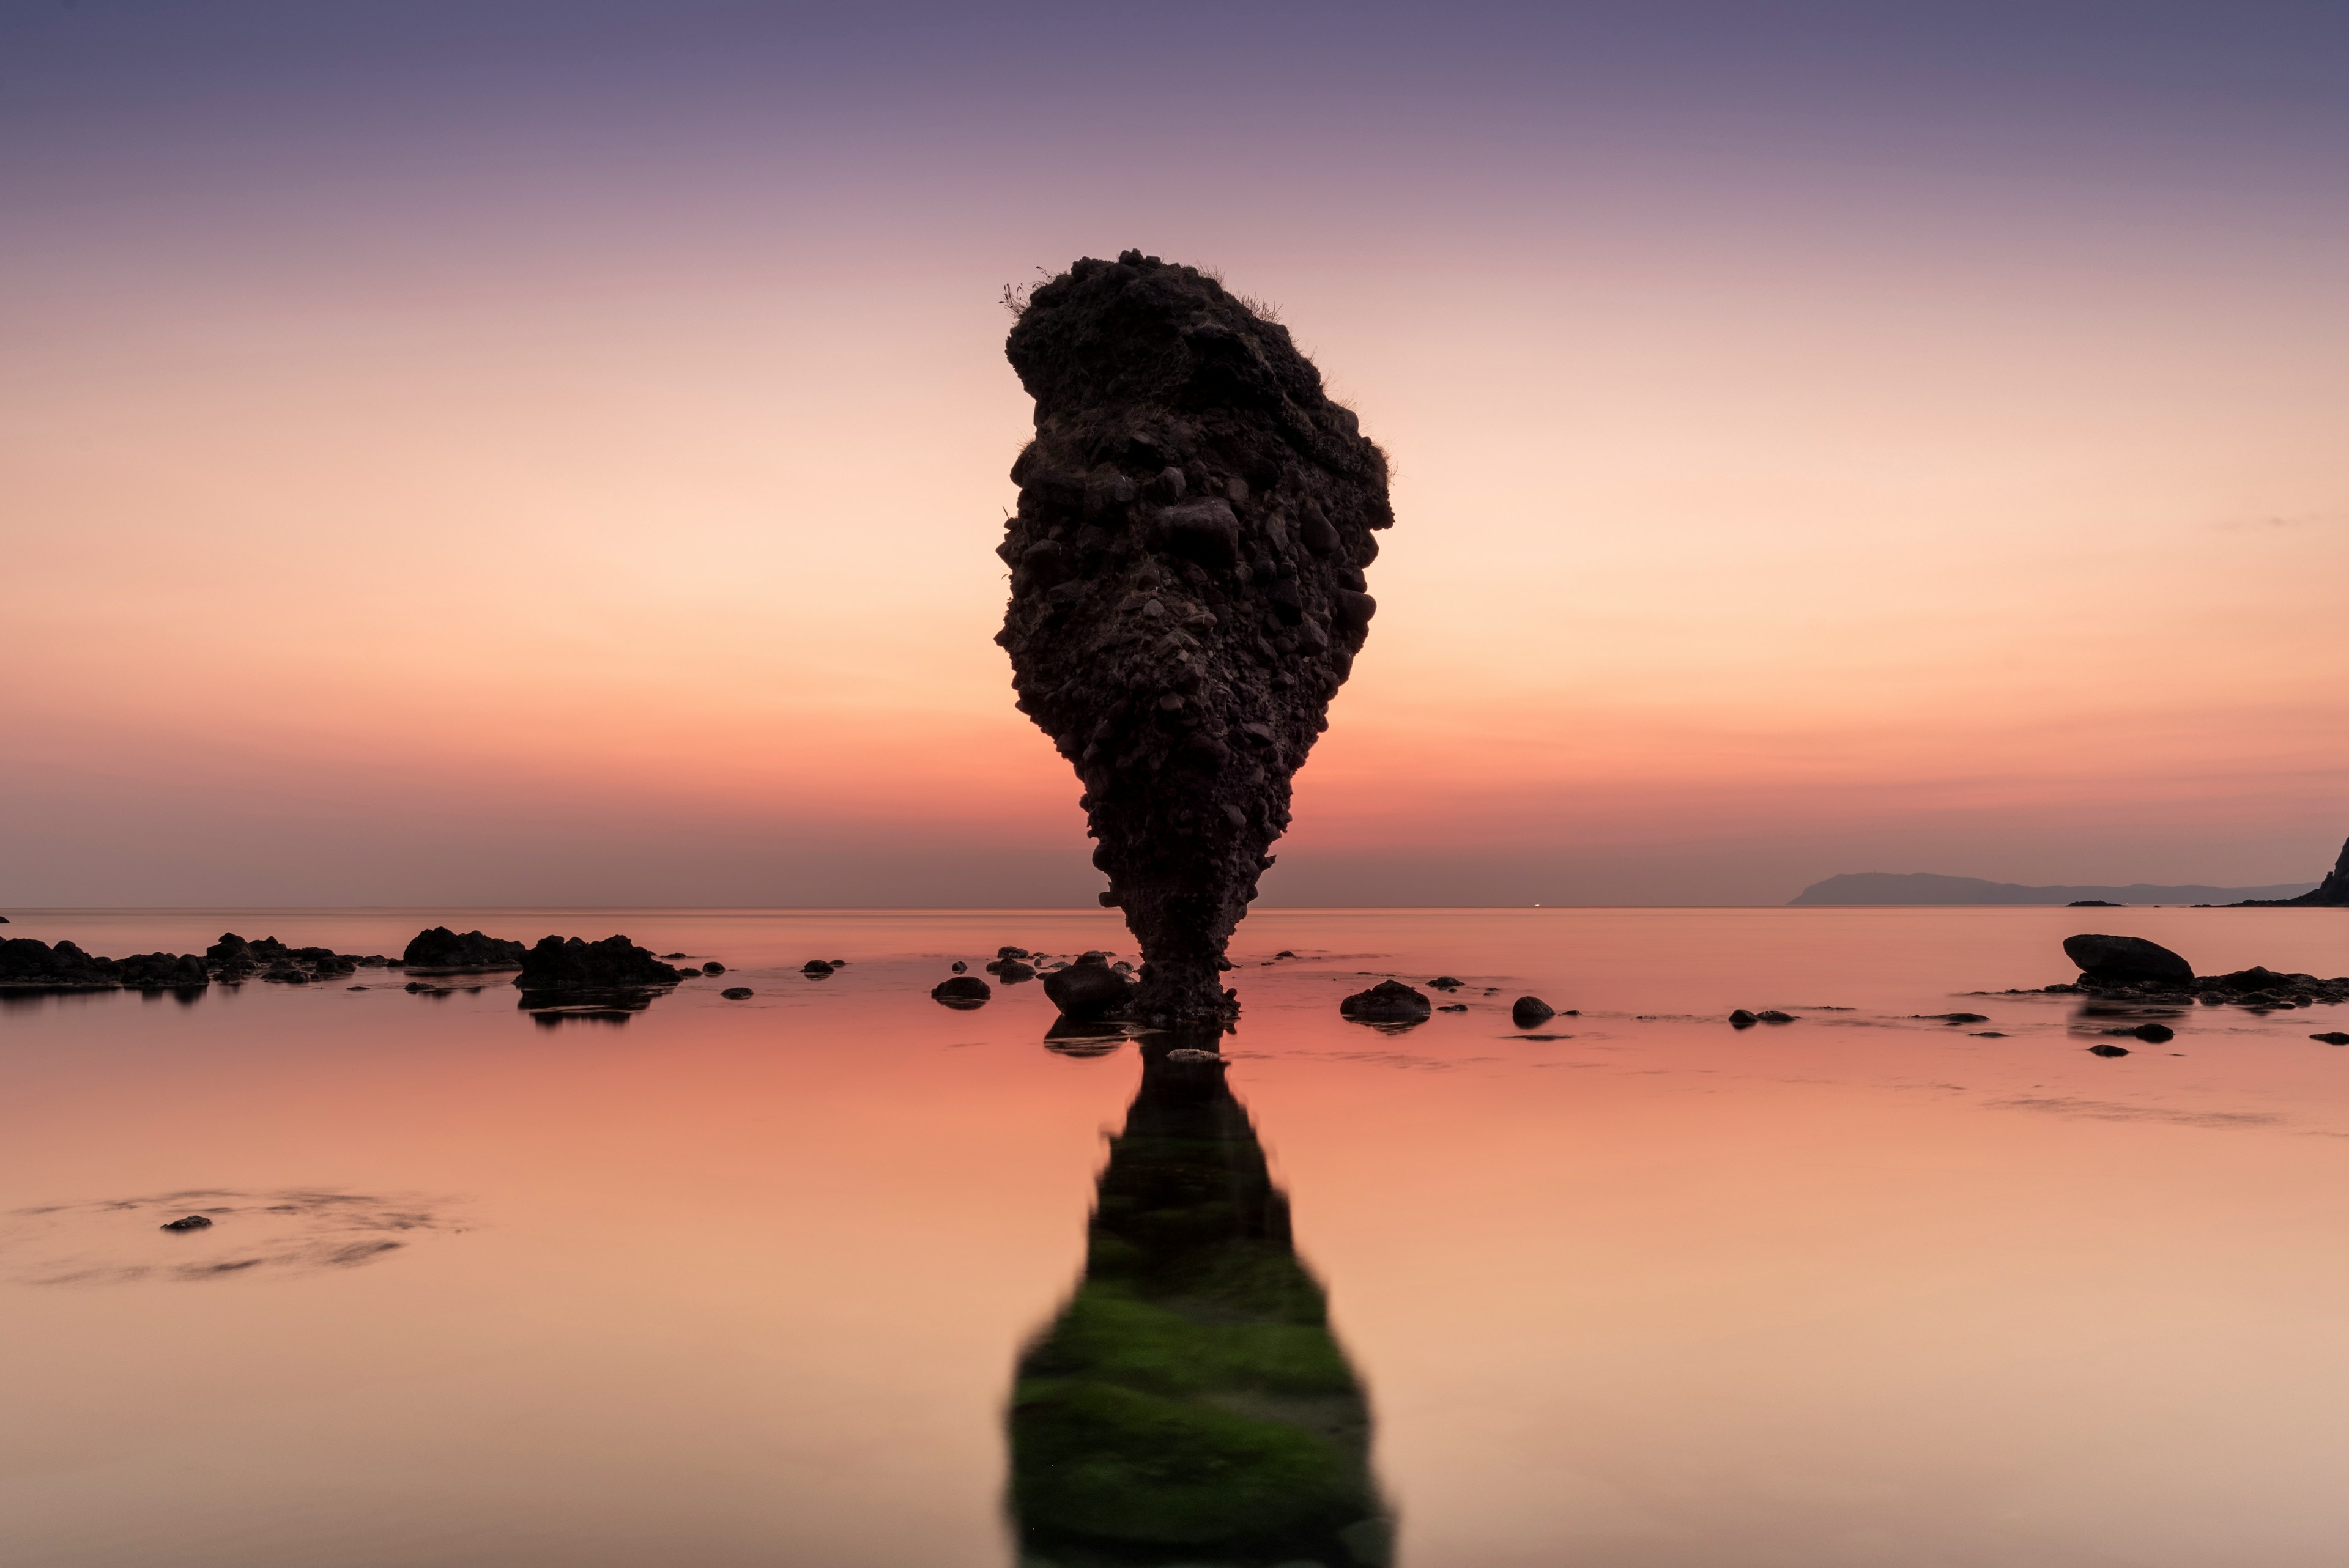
x=818 y=1278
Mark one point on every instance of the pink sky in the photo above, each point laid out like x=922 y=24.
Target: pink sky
x=612 y=523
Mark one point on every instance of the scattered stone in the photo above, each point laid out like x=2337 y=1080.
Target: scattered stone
x=1284 y=953
x=1530 y=1012
x=192 y=1222
x=816 y=969
x=713 y=968
x=959 y=967
x=1772 y=1015
x=1743 y=1019
x=1013 y=953
x=1952 y=1017
x=963 y=991
x=2108 y=1050
x=1989 y=1035
x=1388 y=1002
x=418 y=985
x=1453 y=1007
x=1180 y=637
x=2093 y=903
x=2151 y=1034
x=353 y=987
x=2126 y=958
x=736 y=993
x=2332 y=1037
x=1090 y=989
x=29 y=965
x=1446 y=983
x=441 y=948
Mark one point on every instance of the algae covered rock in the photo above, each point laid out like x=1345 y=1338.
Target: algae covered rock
x=1187 y=588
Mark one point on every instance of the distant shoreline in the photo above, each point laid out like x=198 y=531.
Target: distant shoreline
x=1883 y=890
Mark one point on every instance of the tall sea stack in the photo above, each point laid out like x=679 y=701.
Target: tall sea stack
x=1186 y=589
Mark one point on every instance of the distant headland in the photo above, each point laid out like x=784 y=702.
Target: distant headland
x=1925 y=888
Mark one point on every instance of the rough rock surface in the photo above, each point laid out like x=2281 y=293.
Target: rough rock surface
x=441 y=948
x=2332 y=893
x=2126 y=958
x=566 y=963
x=1089 y=989
x=1186 y=589
x=28 y=964
x=1388 y=1002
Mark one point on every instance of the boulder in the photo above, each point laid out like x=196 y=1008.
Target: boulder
x=1011 y=971
x=438 y=947
x=713 y=968
x=163 y=971
x=1089 y=989
x=1742 y=1019
x=1527 y=1012
x=28 y=965
x=1446 y=983
x=736 y=993
x=190 y=1223
x=962 y=991
x=2126 y=960
x=2332 y=1037
x=568 y=963
x=1388 y=1002
x=1772 y=1015
x=2108 y=1050
x=816 y=969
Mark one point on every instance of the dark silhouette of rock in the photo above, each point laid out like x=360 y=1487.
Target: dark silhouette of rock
x=1187 y=590
x=2108 y=1050
x=163 y=972
x=1090 y=989
x=192 y=1222
x=2333 y=893
x=1190 y=1403
x=962 y=991
x=2126 y=958
x=959 y=967
x=1742 y=1019
x=2093 y=903
x=1952 y=1017
x=441 y=948
x=2154 y=1034
x=1011 y=971
x=816 y=969
x=1772 y=1015
x=713 y=968
x=1453 y=1007
x=28 y=964
x=1446 y=983
x=2333 y=1038
x=1388 y=1002
x=567 y=964
x=736 y=993
x=1530 y=1012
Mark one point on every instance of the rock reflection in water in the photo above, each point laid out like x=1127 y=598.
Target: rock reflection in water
x=1190 y=1403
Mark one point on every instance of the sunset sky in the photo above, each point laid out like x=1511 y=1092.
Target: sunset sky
x=497 y=453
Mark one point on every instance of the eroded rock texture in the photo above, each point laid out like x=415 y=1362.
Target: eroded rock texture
x=1186 y=588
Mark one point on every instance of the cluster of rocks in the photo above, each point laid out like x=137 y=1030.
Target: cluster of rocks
x=1743 y=1018
x=27 y=965
x=1187 y=594
x=564 y=973
x=442 y=950
x=2130 y=968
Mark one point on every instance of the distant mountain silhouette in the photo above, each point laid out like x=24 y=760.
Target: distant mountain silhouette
x=2334 y=891
x=1925 y=888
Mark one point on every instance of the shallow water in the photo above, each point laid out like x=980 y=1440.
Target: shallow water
x=749 y=1282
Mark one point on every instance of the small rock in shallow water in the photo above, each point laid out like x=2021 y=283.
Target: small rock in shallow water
x=1453 y=1007
x=2108 y=1050
x=959 y=967
x=736 y=993
x=962 y=991
x=2333 y=1038
x=2110 y=958
x=1447 y=983
x=1743 y=1019
x=1952 y=1017
x=1088 y=988
x=713 y=968
x=1989 y=1035
x=1526 y=1011
x=193 y=1222
x=1773 y=1016
x=1388 y=1002
x=2154 y=1034
x=816 y=969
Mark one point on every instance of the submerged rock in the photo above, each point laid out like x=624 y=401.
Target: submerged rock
x=1742 y=1019
x=190 y=1223
x=1089 y=989
x=2126 y=958
x=1529 y=1012
x=2108 y=1050
x=961 y=990
x=1186 y=589
x=1388 y=1002
x=438 y=947
x=2332 y=1037
x=736 y=993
